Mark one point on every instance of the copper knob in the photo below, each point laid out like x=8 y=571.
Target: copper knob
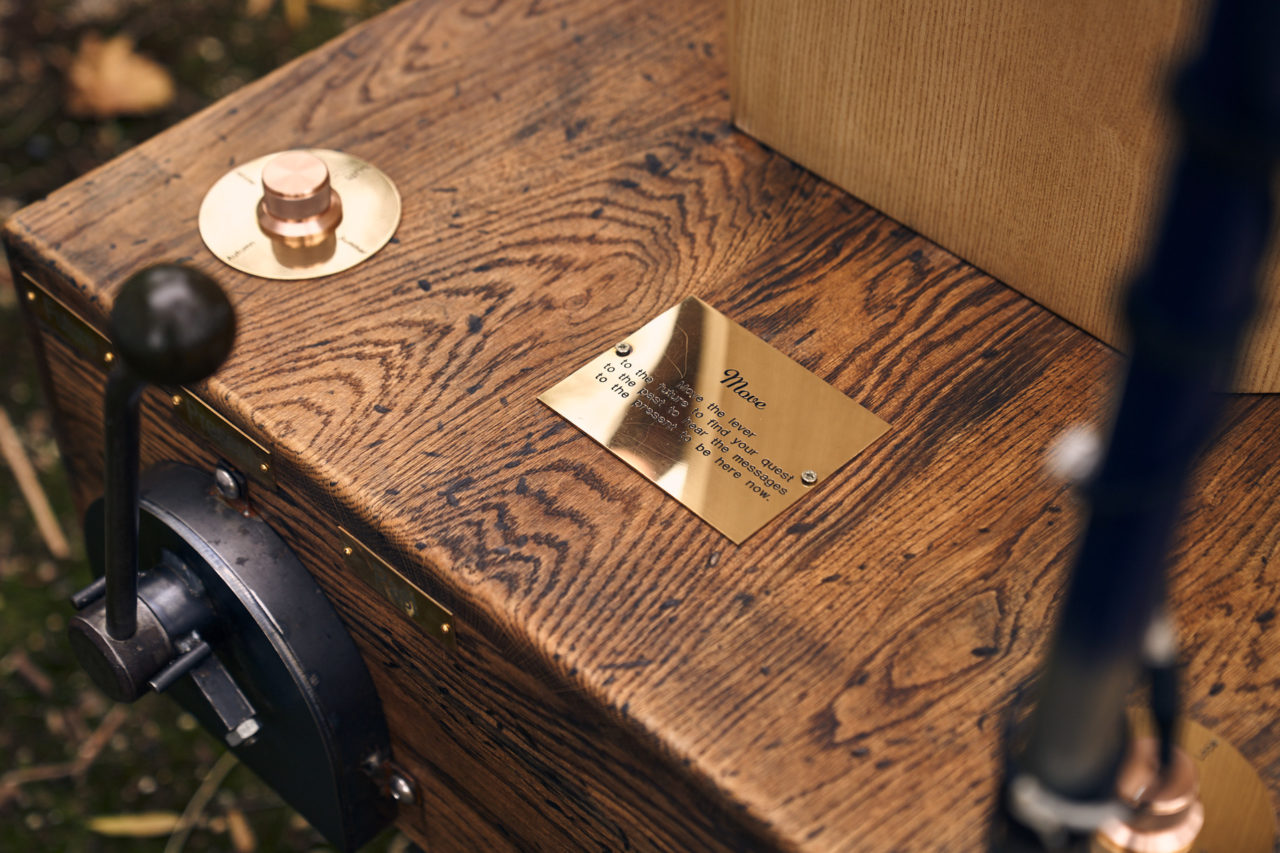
x=298 y=207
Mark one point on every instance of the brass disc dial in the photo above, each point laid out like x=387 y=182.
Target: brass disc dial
x=282 y=230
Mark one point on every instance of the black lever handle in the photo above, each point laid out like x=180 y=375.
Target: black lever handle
x=171 y=325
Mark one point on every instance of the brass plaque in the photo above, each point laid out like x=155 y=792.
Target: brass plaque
x=715 y=417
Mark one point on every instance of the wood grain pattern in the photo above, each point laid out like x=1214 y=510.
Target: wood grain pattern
x=1030 y=139
x=626 y=678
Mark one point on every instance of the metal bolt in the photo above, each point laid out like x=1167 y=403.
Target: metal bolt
x=176 y=400
x=348 y=550
x=445 y=628
x=809 y=477
x=263 y=467
x=622 y=350
x=244 y=733
x=401 y=789
x=108 y=357
x=228 y=481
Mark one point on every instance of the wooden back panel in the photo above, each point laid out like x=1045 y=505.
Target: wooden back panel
x=626 y=677
x=1031 y=139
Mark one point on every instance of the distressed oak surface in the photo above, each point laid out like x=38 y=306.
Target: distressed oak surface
x=626 y=677
x=1031 y=139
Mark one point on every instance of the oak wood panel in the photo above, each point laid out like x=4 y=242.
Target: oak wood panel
x=626 y=676
x=1030 y=139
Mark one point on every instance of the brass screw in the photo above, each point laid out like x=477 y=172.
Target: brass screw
x=263 y=468
x=445 y=628
x=348 y=551
x=109 y=357
x=31 y=296
x=176 y=400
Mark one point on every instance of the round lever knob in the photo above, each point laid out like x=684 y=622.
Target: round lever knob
x=172 y=325
x=298 y=207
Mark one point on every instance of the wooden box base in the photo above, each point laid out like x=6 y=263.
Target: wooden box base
x=625 y=677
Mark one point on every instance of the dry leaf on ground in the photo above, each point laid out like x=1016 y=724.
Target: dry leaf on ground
x=296 y=12
x=107 y=78
x=141 y=825
x=242 y=836
x=341 y=5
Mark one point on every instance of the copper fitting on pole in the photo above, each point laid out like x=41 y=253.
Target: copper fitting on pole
x=1167 y=812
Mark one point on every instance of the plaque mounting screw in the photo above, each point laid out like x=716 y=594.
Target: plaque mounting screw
x=622 y=350
x=809 y=477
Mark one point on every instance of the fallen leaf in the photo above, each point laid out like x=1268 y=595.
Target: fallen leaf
x=242 y=837
x=341 y=5
x=107 y=78
x=296 y=13
x=140 y=825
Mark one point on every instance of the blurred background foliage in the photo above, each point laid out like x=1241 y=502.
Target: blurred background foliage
x=80 y=82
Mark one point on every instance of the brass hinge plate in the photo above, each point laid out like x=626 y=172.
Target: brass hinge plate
x=66 y=324
x=411 y=601
x=239 y=449
x=249 y=457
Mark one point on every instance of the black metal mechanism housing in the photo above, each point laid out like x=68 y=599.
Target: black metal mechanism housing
x=286 y=686
x=199 y=598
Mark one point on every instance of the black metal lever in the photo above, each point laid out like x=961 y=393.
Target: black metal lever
x=222 y=617
x=171 y=325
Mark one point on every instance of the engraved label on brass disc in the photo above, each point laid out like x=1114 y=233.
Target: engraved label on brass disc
x=715 y=417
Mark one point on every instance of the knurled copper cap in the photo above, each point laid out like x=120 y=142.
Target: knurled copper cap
x=298 y=205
